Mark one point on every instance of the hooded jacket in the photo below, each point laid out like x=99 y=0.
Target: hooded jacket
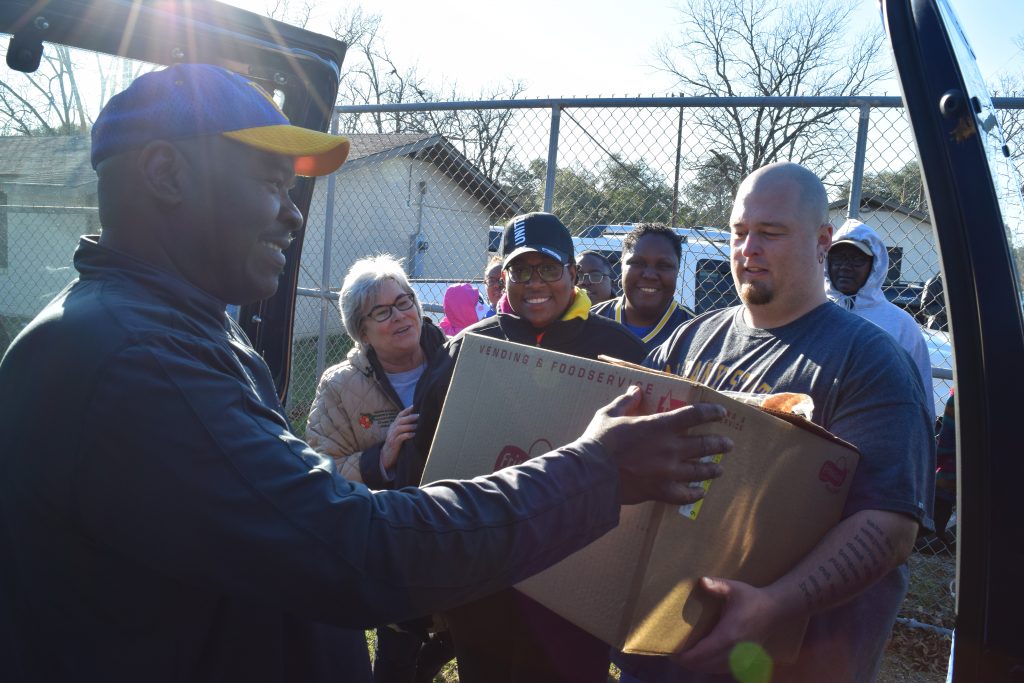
x=870 y=303
x=462 y=308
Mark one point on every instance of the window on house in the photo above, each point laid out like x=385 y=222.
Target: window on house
x=895 y=264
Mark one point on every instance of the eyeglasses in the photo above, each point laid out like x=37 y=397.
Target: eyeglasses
x=548 y=272
x=402 y=303
x=857 y=261
x=592 y=278
x=494 y=282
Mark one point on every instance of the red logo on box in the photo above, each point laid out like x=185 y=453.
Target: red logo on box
x=834 y=473
x=667 y=403
x=514 y=455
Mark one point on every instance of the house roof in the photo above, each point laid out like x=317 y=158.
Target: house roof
x=61 y=160
x=372 y=148
x=876 y=203
x=64 y=161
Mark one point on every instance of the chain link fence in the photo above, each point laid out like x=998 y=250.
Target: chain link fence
x=428 y=183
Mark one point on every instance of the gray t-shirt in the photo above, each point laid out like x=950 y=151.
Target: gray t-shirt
x=404 y=383
x=866 y=391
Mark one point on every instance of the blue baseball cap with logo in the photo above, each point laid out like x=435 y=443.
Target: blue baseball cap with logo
x=539 y=232
x=192 y=100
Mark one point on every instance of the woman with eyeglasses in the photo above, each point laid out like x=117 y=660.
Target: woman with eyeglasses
x=507 y=636
x=363 y=417
x=594 y=275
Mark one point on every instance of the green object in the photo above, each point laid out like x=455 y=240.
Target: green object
x=750 y=663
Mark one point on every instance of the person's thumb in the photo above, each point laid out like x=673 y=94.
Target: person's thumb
x=625 y=404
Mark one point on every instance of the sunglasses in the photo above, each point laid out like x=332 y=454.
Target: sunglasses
x=384 y=311
x=548 y=272
x=592 y=278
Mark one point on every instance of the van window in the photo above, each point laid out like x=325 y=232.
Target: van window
x=713 y=287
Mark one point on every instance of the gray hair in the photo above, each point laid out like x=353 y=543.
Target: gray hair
x=361 y=286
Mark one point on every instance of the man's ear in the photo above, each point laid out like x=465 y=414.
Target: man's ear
x=161 y=168
x=825 y=237
x=572 y=272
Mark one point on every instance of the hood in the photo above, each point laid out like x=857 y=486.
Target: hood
x=871 y=293
x=580 y=306
x=462 y=308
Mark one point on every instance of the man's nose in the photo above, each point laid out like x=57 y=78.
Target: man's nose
x=751 y=244
x=290 y=214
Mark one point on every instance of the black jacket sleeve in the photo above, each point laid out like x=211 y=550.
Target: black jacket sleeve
x=208 y=489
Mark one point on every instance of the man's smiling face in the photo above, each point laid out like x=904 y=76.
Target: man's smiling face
x=242 y=219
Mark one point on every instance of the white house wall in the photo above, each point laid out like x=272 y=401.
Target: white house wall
x=377 y=209
x=40 y=245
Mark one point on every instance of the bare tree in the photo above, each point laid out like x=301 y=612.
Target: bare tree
x=481 y=134
x=290 y=13
x=1012 y=120
x=727 y=48
x=64 y=94
x=47 y=102
x=371 y=76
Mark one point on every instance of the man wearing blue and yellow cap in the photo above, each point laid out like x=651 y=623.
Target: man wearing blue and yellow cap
x=158 y=520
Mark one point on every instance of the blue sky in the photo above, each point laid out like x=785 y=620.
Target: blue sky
x=577 y=48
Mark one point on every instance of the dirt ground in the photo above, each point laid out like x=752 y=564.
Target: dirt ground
x=915 y=656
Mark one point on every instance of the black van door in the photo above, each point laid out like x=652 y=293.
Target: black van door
x=975 y=200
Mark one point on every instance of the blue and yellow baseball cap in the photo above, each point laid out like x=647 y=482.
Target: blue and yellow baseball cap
x=192 y=100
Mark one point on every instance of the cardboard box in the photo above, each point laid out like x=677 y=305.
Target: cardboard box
x=783 y=488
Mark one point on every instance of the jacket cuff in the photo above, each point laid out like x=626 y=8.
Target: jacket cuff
x=371 y=470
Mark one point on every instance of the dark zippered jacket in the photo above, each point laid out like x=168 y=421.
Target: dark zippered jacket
x=160 y=522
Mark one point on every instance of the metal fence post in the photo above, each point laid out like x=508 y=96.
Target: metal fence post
x=853 y=208
x=549 y=182
x=675 y=182
x=326 y=308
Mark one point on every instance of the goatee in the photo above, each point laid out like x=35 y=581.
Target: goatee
x=755 y=294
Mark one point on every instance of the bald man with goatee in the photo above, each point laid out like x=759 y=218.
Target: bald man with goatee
x=786 y=336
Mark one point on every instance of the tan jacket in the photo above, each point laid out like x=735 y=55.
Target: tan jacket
x=351 y=413
x=354 y=406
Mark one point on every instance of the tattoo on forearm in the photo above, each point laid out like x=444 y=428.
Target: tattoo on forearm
x=839 y=569
x=881 y=534
x=867 y=550
x=807 y=594
x=855 y=565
